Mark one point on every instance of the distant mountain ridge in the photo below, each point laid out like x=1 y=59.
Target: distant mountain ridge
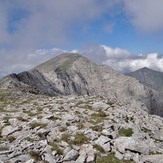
x=148 y=77
x=73 y=74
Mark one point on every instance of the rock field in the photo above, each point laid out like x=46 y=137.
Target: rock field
x=76 y=129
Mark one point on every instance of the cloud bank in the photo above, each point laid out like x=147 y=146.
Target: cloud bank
x=41 y=24
x=146 y=15
x=117 y=58
x=37 y=24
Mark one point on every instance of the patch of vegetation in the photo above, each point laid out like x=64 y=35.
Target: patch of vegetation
x=100 y=113
x=35 y=155
x=114 y=121
x=146 y=130
x=88 y=107
x=80 y=139
x=110 y=158
x=36 y=124
x=62 y=129
x=125 y=132
x=156 y=140
x=155 y=153
x=22 y=119
x=77 y=112
x=99 y=148
x=65 y=137
x=3 y=148
x=53 y=118
x=30 y=139
x=39 y=110
x=11 y=138
x=97 y=117
x=35 y=103
x=80 y=126
x=97 y=128
x=68 y=124
x=30 y=113
x=56 y=148
x=39 y=117
x=39 y=134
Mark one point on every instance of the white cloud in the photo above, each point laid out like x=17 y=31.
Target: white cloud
x=116 y=53
x=145 y=15
x=129 y=64
x=117 y=58
x=40 y=23
x=17 y=61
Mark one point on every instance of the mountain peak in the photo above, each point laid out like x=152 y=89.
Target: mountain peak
x=149 y=77
x=73 y=74
x=59 y=63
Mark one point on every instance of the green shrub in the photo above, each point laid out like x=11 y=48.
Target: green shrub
x=11 y=138
x=62 y=129
x=125 y=132
x=80 y=139
x=65 y=137
x=108 y=159
x=99 y=148
x=35 y=155
x=56 y=148
x=30 y=139
x=22 y=119
x=30 y=113
x=36 y=124
x=96 y=128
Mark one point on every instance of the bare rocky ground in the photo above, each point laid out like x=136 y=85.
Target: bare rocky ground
x=76 y=129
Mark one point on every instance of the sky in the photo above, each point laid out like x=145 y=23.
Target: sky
x=124 y=34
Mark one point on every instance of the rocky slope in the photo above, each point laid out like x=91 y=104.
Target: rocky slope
x=73 y=74
x=148 y=77
x=76 y=129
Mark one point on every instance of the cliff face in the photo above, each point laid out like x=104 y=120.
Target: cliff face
x=73 y=74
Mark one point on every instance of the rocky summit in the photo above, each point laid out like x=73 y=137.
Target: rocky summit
x=76 y=129
x=150 y=78
x=73 y=74
x=71 y=110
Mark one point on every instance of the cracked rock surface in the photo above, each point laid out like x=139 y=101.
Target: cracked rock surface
x=77 y=129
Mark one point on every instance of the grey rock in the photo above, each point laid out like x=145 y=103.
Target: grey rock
x=82 y=157
x=88 y=149
x=30 y=161
x=103 y=141
x=49 y=158
x=152 y=158
x=73 y=74
x=71 y=155
x=119 y=155
x=136 y=158
x=132 y=144
x=100 y=105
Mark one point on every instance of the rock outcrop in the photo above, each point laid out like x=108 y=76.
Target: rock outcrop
x=73 y=74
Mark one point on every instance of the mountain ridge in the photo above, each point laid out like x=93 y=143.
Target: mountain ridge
x=73 y=74
x=148 y=77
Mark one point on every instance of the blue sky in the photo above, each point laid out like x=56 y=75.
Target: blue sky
x=123 y=34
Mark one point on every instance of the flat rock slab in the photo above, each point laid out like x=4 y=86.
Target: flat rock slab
x=132 y=144
x=153 y=158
